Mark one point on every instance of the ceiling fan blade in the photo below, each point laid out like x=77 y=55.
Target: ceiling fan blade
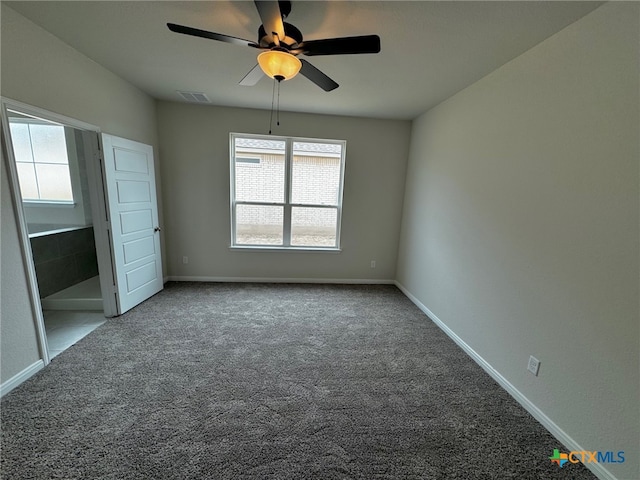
x=196 y=32
x=269 y=11
x=317 y=77
x=341 y=46
x=253 y=77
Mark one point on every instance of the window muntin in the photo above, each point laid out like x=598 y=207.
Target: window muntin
x=42 y=162
x=291 y=197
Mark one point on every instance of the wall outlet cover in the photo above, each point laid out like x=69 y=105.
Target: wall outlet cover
x=534 y=365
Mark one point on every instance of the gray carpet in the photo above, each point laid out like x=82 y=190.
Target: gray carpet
x=244 y=381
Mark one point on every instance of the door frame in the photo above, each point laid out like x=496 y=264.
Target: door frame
x=99 y=211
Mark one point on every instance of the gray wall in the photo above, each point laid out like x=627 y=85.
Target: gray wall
x=39 y=69
x=18 y=342
x=194 y=146
x=521 y=221
x=520 y=225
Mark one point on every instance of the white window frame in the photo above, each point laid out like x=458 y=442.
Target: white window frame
x=287 y=204
x=73 y=173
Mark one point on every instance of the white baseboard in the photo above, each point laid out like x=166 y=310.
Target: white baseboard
x=352 y=281
x=20 y=377
x=562 y=436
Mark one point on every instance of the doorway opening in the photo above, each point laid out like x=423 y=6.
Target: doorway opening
x=87 y=216
x=54 y=186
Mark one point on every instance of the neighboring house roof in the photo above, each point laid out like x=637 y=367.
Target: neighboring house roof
x=306 y=147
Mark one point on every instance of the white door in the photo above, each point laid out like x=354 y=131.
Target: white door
x=133 y=225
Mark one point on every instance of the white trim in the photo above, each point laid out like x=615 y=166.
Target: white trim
x=287 y=205
x=101 y=223
x=20 y=377
x=288 y=175
x=49 y=203
x=44 y=233
x=23 y=233
x=562 y=436
x=279 y=248
x=47 y=115
x=232 y=189
x=351 y=281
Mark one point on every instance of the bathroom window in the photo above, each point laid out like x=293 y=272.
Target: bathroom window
x=42 y=161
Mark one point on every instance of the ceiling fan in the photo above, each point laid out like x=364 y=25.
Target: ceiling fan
x=281 y=43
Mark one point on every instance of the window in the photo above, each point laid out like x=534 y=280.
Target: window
x=40 y=151
x=286 y=192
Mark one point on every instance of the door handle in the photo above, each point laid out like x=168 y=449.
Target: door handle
x=157 y=229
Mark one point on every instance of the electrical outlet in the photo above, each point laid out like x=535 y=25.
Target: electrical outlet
x=373 y=264
x=185 y=260
x=534 y=365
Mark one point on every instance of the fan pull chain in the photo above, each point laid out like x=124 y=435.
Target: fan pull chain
x=278 y=105
x=273 y=96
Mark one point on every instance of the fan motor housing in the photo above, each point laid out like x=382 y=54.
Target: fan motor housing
x=292 y=38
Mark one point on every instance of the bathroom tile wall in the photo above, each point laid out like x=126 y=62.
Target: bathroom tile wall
x=64 y=259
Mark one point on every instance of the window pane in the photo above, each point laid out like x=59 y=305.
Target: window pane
x=27 y=179
x=259 y=224
x=259 y=170
x=313 y=227
x=54 y=182
x=49 y=145
x=315 y=173
x=21 y=142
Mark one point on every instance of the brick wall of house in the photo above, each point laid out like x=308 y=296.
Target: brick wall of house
x=264 y=181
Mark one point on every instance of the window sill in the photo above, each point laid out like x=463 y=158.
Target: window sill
x=44 y=233
x=42 y=203
x=264 y=248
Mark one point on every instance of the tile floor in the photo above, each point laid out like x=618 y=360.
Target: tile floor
x=66 y=327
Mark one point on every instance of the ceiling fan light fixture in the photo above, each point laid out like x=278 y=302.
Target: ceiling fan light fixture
x=279 y=65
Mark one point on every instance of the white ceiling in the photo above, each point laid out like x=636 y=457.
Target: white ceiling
x=430 y=50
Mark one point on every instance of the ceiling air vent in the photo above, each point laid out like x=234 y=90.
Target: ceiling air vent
x=194 y=97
